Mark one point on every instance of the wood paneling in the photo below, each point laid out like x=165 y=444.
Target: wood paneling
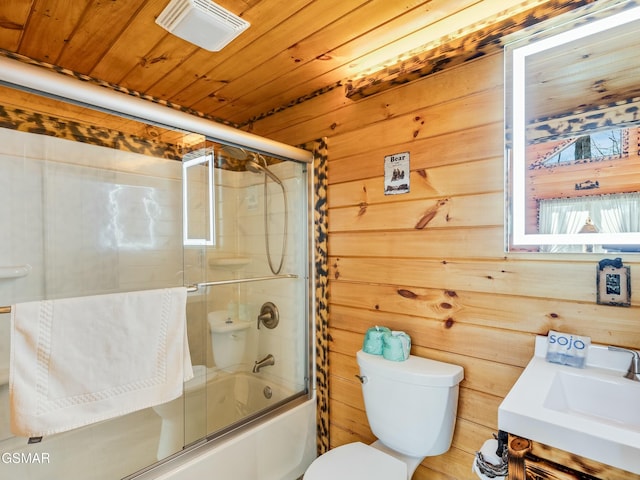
x=449 y=285
x=487 y=40
x=447 y=282
x=291 y=51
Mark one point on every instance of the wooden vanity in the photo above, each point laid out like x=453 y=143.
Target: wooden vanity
x=530 y=460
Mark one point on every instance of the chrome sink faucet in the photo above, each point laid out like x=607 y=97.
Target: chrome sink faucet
x=265 y=362
x=634 y=368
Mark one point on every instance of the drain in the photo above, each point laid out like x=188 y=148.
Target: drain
x=267 y=392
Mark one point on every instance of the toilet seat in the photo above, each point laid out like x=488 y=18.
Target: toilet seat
x=356 y=461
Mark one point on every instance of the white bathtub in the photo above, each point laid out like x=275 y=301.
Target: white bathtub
x=280 y=447
x=215 y=402
x=277 y=448
x=232 y=397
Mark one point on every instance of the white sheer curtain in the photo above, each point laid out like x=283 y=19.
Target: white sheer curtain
x=609 y=213
x=620 y=213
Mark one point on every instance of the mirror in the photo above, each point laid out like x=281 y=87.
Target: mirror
x=573 y=134
x=198 y=202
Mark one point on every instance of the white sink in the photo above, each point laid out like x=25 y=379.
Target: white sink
x=593 y=411
x=601 y=398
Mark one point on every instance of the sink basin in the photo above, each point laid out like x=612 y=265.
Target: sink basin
x=611 y=400
x=593 y=411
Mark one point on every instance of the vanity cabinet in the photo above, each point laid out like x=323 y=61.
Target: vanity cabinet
x=530 y=460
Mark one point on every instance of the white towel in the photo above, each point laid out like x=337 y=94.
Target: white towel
x=487 y=465
x=82 y=360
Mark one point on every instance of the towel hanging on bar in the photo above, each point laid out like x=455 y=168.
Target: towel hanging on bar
x=77 y=361
x=195 y=287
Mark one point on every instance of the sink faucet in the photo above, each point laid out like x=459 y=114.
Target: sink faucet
x=634 y=367
x=265 y=362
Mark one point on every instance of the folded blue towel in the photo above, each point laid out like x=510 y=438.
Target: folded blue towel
x=396 y=346
x=373 y=340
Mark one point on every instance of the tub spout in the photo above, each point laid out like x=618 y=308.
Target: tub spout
x=265 y=362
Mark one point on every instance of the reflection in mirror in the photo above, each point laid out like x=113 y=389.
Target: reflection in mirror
x=198 y=207
x=573 y=97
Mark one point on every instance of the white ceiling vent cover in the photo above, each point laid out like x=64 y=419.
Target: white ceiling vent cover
x=202 y=23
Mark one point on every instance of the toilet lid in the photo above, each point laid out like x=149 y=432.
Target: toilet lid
x=356 y=461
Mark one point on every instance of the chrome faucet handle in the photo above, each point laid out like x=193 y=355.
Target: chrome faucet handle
x=634 y=368
x=269 y=315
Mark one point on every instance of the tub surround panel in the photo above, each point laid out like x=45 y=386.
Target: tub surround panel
x=67 y=189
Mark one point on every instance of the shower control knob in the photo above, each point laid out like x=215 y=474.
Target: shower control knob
x=269 y=315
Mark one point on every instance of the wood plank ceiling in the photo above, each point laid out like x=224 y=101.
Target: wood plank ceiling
x=293 y=49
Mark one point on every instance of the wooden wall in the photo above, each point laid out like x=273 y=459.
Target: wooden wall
x=432 y=262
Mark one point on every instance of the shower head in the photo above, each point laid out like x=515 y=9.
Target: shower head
x=253 y=166
x=235 y=152
x=252 y=161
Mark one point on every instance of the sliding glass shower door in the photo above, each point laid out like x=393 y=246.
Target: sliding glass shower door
x=247 y=249
x=95 y=203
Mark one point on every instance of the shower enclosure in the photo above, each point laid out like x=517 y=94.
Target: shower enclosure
x=246 y=249
x=103 y=203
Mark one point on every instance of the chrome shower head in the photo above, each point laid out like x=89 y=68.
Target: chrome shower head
x=253 y=166
x=251 y=161
x=236 y=152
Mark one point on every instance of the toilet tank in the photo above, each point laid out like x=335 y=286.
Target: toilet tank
x=411 y=406
x=228 y=339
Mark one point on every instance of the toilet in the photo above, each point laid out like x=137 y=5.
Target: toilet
x=228 y=340
x=411 y=408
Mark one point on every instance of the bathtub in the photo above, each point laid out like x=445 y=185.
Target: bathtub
x=278 y=445
x=233 y=397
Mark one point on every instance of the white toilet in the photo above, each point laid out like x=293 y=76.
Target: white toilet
x=228 y=340
x=411 y=407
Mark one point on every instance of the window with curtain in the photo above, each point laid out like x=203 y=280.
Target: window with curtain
x=613 y=213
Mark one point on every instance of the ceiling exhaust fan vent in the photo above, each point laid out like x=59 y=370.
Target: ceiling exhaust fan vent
x=202 y=23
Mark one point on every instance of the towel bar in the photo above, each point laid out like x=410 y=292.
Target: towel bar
x=196 y=287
